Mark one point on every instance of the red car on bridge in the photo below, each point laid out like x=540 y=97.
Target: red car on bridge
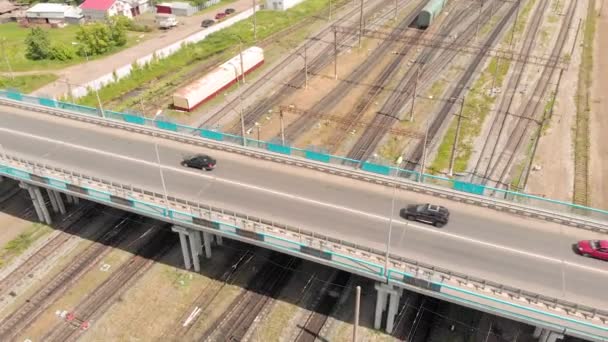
x=593 y=248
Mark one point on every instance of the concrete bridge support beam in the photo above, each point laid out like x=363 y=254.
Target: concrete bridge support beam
x=546 y=335
x=219 y=240
x=34 y=199
x=53 y=200
x=45 y=210
x=207 y=238
x=183 y=240
x=382 y=300
x=393 y=306
x=76 y=199
x=69 y=198
x=59 y=201
x=195 y=248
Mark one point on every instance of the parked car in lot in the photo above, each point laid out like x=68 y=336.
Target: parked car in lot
x=593 y=248
x=207 y=22
x=220 y=16
x=428 y=213
x=229 y=11
x=200 y=161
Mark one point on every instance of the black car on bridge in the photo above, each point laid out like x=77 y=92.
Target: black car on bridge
x=200 y=161
x=428 y=213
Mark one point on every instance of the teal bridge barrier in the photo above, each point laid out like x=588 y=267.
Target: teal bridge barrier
x=374 y=270
x=320 y=156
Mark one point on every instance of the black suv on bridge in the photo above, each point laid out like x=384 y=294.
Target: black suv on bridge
x=428 y=213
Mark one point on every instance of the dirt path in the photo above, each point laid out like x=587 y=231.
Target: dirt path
x=599 y=117
x=86 y=72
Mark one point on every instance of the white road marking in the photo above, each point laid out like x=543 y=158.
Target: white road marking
x=311 y=201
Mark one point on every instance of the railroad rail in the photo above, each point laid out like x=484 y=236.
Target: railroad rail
x=297 y=80
x=440 y=119
x=28 y=312
x=531 y=108
x=148 y=250
x=337 y=93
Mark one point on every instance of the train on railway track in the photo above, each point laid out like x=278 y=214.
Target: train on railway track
x=429 y=13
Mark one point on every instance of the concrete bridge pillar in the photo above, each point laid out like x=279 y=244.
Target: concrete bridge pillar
x=76 y=200
x=207 y=238
x=39 y=204
x=546 y=335
x=218 y=240
x=53 y=199
x=183 y=240
x=386 y=292
x=195 y=248
x=59 y=201
x=69 y=198
x=45 y=210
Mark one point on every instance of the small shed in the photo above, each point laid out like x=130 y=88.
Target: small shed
x=181 y=9
x=52 y=13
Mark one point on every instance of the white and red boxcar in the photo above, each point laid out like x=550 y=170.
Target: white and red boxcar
x=222 y=77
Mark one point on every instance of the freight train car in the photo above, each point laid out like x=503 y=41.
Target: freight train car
x=430 y=12
x=222 y=77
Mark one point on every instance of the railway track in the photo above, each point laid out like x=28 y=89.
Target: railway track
x=261 y=290
x=341 y=90
x=434 y=61
x=159 y=99
x=297 y=79
x=441 y=118
x=237 y=262
x=28 y=312
x=149 y=250
x=319 y=314
x=506 y=102
x=529 y=110
x=69 y=225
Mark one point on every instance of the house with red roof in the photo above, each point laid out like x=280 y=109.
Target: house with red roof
x=102 y=9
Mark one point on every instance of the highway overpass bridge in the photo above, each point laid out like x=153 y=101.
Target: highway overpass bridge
x=497 y=261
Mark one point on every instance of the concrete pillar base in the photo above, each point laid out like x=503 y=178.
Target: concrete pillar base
x=382 y=300
x=59 y=201
x=207 y=237
x=34 y=198
x=53 y=199
x=183 y=240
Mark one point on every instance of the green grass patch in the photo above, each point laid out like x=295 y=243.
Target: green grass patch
x=583 y=109
x=268 y=22
x=27 y=83
x=22 y=242
x=477 y=106
x=14 y=47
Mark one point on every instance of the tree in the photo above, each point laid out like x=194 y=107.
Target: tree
x=100 y=38
x=38 y=44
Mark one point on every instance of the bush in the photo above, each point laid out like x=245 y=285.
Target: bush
x=38 y=44
x=100 y=38
x=62 y=52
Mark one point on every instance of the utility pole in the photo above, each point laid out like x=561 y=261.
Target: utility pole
x=414 y=93
x=360 y=24
x=495 y=75
x=282 y=127
x=8 y=64
x=241 y=58
x=395 y=14
x=335 y=53
x=453 y=157
x=242 y=121
x=515 y=24
x=255 y=35
x=70 y=94
x=479 y=19
x=143 y=109
x=423 y=165
x=357 y=306
x=305 y=67
x=329 y=18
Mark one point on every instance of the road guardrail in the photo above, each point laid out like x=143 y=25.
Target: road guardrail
x=340 y=170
